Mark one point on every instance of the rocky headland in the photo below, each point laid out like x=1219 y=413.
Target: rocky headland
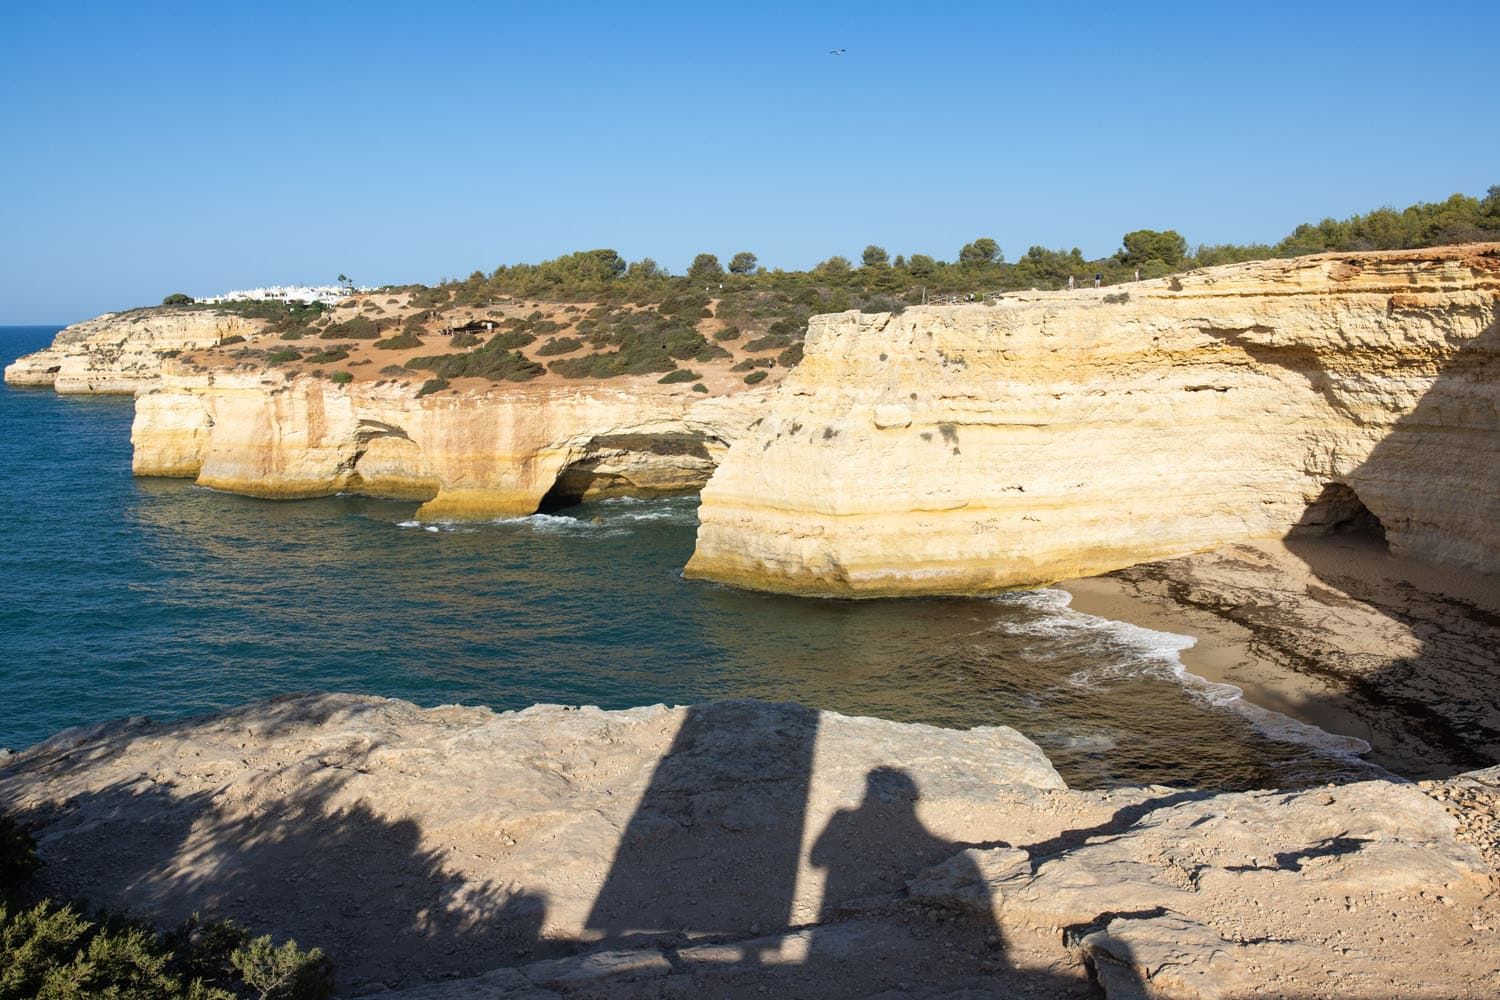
x=123 y=353
x=744 y=848
x=1054 y=435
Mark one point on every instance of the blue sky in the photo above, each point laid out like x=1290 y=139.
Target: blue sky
x=152 y=148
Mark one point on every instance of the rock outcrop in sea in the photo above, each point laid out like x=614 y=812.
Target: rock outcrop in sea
x=481 y=452
x=1054 y=435
x=750 y=848
x=123 y=353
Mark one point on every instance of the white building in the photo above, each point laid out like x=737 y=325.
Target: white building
x=328 y=294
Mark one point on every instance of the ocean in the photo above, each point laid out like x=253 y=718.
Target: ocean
x=122 y=596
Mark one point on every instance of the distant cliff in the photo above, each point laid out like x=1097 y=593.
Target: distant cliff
x=123 y=352
x=484 y=452
x=1056 y=435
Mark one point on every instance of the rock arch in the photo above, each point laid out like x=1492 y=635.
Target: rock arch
x=637 y=465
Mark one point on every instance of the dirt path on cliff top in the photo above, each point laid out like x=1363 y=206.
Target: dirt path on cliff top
x=746 y=849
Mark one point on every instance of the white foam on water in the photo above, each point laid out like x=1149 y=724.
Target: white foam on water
x=1153 y=653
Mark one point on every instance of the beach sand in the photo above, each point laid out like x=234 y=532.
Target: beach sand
x=1336 y=632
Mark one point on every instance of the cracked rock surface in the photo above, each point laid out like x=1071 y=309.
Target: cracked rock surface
x=748 y=849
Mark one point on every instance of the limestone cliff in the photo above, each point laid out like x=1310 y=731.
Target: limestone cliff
x=483 y=452
x=1057 y=435
x=123 y=352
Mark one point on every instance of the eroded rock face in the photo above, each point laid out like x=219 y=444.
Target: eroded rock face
x=479 y=453
x=1057 y=435
x=742 y=848
x=123 y=353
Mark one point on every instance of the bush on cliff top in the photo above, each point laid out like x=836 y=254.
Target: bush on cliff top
x=492 y=361
x=60 y=953
x=400 y=342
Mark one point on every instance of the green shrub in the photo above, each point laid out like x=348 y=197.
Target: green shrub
x=492 y=361
x=328 y=357
x=513 y=339
x=285 y=973
x=750 y=364
x=400 y=342
x=559 y=345
x=297 y=334
x=395 y=371
x=56 y=953
x=430 y=298
x=231 y=339
x=177 y=299
x=432 y=385
x=700 y=387
x=281 y=357
x=790 y=357
x=770 y=342
x=18 y=860
x=342 y=378
x=757 y=376
x=728 y=333
x=883 y=303
x=358 y=328
x=680 y=375
x=463 y=338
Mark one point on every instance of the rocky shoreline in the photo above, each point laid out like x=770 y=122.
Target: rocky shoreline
x=743 y=848
x=1337 y=632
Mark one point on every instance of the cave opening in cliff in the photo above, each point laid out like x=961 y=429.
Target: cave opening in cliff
x=632 y=465
x=1338 y=510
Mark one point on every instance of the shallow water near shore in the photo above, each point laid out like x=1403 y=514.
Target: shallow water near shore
x=121 y=596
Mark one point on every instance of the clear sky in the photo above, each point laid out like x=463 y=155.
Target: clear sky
x=152 y=148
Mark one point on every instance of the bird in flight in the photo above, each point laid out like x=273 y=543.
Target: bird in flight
x=835 y=52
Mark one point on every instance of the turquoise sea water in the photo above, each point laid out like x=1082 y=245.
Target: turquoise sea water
x=123 y=596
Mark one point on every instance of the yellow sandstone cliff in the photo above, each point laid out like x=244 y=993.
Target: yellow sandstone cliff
x=122 y=353
x=484 y=452
x=1055 y=435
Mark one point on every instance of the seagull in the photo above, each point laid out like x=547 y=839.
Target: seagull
x=835 y=52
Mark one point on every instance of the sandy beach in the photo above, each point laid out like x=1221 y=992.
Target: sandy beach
x=1336 y=632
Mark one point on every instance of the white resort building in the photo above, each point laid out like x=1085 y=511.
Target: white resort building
x=329 y=294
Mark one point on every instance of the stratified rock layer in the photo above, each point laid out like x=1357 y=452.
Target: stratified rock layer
x=123 y=353
x=483 y=452
x=744 y=849
x=1057 y=435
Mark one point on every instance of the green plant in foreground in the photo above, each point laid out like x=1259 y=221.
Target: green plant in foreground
x=341 y=378
x=54 y=953
x=18 y=860
x=680 y=375
x=432 y=385
x=756 y=376
x=285 y=973
x=280 y=357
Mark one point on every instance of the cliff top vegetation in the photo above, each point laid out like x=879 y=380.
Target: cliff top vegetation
x=979 y=267
x=594 y=315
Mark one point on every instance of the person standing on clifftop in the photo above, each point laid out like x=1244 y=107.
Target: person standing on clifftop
x=1070 y=282
x=1098 y=279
